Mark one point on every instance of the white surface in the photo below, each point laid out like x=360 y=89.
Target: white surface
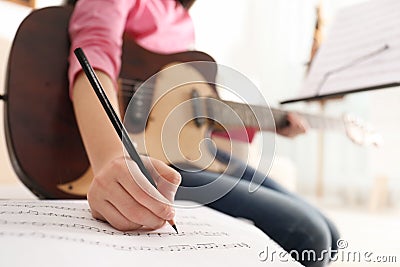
x=62 y=233
x=376 y=234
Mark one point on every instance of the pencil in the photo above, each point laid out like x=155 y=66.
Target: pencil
x=116 y=122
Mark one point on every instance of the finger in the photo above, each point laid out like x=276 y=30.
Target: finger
x=132 y=210
x=297 y=123
x=166 y=178
x=110 y=214
x=97 y=215
x=288 y=131
x=158 y=168
x=137 y=185
x=105 y=211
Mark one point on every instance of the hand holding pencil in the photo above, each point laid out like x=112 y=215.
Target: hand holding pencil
x=126 y=203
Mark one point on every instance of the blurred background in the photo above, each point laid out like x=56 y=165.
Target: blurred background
x=270 y=41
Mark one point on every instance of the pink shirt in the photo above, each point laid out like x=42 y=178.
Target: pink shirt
x=96 y=26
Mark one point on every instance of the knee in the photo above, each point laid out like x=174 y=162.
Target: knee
x=312 y=243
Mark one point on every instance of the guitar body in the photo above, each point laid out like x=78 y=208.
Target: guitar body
x=40 y=126
x=42 y=136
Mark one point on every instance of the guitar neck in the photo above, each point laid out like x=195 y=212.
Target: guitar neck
x=313 y=121
x=234 y=114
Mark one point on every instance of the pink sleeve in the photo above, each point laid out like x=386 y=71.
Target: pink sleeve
x=97 y=27
x=244 y=135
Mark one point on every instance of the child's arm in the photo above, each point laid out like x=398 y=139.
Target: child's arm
x=119 y=195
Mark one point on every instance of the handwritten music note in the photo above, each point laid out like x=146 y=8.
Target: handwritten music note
x=362 y=50
x=63 y=233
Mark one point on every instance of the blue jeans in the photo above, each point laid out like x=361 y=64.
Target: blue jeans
x=285 y=217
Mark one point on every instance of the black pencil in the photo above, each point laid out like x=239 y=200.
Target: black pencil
x=116 y=122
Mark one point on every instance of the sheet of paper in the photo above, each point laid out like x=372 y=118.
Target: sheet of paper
x=63 y=233
x=362 y=50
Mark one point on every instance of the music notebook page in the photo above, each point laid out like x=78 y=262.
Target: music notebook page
x=63 y=233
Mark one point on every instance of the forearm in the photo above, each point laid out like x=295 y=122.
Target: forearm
x=101 y=142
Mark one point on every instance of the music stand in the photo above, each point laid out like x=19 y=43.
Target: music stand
x=361 y=53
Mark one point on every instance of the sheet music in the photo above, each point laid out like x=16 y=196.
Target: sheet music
x=362 y=50
x=63 y=233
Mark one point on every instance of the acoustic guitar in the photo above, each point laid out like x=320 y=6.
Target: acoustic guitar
x=42 y=136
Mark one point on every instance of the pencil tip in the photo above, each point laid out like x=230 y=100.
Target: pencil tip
x=176 y=229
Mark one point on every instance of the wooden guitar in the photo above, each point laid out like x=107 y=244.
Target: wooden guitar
x=44 y=143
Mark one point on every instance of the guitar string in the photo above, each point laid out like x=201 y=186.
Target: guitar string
x=315 y=121
x=138 y=84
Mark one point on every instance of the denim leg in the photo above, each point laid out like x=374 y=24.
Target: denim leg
x=292 y=224
x=270 y=183
x=249 y=173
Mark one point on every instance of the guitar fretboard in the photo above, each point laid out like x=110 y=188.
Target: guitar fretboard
x=314 y=121
x=233 y=114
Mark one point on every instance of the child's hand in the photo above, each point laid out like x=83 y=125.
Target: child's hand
x=123 y=196
x=297 y=125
